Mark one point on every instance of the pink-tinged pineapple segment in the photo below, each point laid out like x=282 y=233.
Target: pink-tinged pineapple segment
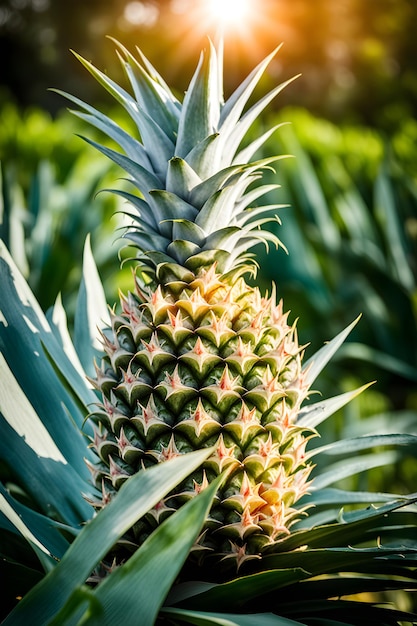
x=207 y=363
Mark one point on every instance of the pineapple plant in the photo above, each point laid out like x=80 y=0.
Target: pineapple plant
x=197 y=357
x=200 y=491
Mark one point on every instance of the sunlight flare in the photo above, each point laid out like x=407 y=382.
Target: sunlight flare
x=229 y=12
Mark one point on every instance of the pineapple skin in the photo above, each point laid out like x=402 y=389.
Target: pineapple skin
x=201 y=364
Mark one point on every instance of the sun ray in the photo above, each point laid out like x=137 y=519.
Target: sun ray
x=243 y=31
x=226 y=17
x=229 y=13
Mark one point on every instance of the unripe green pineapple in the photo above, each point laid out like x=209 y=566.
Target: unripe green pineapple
x=196 y=357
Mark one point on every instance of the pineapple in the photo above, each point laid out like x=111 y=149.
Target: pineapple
x=196 y=357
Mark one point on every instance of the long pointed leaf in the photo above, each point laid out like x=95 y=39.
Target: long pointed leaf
x=314 y=414
x=200 y=110
x=202 y=192
x=339 y=497
x=42 y=552
x=91 y=313
x=43 y=529
x=131 y=146
x=233 y=107
x=234 y=139
x=345 y=533
x=319 y=360
x=125 y=593
x=350 y=467
x=144 y=214
x=53 y=485
x=142 y=178
x=159 y=146
x=235 y=594
x=138 y=494
x=349 y=446
x=23 y=331
x=244 y=156
x=229 y=619
x=154 y=91
x=157 y=101
x=57 y=319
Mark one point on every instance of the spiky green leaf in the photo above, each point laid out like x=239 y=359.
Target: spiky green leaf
x=140 y=493
x=125 y=593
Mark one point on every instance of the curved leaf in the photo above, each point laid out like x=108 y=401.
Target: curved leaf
x=236 y=594
x=91 y=313
x=314 y=414
x=317 y=362
x=142 y=178
x=348 y=446
x=350 y=467
x=139 y=493
x=229 y=619
x=200 y=110
x=181 y=178
x=137 y=588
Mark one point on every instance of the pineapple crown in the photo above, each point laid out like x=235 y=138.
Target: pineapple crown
x=195 y=206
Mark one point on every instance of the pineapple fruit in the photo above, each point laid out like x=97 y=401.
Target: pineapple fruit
x=196 y=357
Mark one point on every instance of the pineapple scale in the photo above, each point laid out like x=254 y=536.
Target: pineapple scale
x=204 y=363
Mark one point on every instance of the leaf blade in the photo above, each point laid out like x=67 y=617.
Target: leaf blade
x=126 y=592
x=136 y=496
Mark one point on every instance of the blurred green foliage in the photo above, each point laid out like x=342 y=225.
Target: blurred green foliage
x=357 y=58
x=351 y=234
x=351 y=227
x=49 y=203
x=353 y=198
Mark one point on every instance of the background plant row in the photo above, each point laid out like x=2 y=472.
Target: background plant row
x=350 y=228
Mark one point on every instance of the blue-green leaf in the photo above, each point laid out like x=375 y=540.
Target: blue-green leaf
x=91 y=313
x=349 y=446
x=319 y=360
x=137 y=586
x=238 y=132
x=200 y=110
x=314 y=414
x=152 y=92
x=133 y=148
x=350 y=467
x=137 y=495
x=142 y=178
x=40 y=530
x=181 y=178
x=200 y=618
